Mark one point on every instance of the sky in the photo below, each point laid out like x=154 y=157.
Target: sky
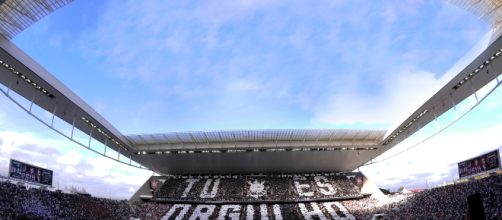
x=167 y=66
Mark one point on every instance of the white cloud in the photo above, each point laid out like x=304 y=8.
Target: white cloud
x=70 y=158
x=399 y=91
x=333 y=64
x=152 y=31
x=70 y=169
x=26 y=143
x=434 y=160
x=402 y=93
x=271 y=87
x=72 y=165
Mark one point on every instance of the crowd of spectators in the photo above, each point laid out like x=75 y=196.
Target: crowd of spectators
x=286 y=211
x=244 y=188
x=149 y=210
x=17 y=201
x=447 y=202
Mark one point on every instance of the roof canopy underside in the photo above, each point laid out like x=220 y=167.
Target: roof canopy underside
x=487 y=10
x=17 y=15
x=256 y=162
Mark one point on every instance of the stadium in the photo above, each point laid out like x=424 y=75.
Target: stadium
x=236 y=172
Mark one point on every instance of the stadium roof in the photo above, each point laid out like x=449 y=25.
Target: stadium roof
x=489 y=11
x=227 y=151
x=17 y=15
x=288 y=138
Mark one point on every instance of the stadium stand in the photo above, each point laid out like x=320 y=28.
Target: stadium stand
x=247 y=188
x=18 y=202
x=447 y=202
x=150 y=210
x=33 y=203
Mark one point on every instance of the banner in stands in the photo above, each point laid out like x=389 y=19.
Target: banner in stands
x=357 y=179
x=156 y=182
x=30 y=173
x=479 y=164
x=281 y=187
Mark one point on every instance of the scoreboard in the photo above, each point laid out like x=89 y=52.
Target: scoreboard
x=30 y=173
x=485 y=162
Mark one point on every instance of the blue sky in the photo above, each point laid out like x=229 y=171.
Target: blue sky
x=163 y=66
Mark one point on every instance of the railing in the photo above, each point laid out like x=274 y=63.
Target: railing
x=69 y=137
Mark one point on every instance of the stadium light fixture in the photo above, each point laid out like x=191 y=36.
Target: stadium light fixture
x=404 y=128
x=35 y=85
x=93 y=125
x=477 y=70
x=182 y=151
